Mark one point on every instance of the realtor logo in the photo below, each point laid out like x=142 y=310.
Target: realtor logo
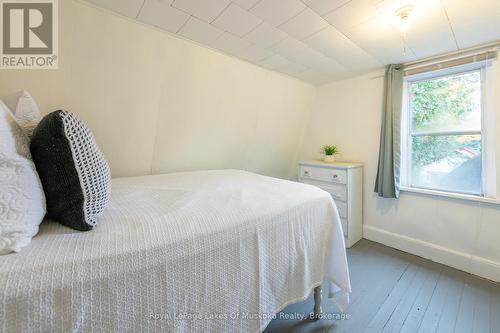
x=28 y=34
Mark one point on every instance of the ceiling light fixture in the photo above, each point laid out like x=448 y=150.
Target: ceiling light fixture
x=403 y=16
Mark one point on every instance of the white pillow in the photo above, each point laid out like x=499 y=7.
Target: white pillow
x=25 y=110
x=22 y=201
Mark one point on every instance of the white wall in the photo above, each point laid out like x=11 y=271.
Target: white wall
x=157 y=103
x=459 y=233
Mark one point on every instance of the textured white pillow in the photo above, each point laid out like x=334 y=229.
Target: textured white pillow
x=25 y=110
x=22 y=201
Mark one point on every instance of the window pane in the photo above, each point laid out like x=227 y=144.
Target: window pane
x=447 y=103
x=447 y=163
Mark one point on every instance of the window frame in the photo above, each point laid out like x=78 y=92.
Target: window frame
x=487 y=193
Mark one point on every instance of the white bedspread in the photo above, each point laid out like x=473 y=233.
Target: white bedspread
x=208 y=251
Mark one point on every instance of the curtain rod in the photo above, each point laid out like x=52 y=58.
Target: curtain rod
x=451 y=55
x=446 y=56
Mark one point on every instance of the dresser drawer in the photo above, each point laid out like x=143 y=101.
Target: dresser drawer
x=338 y=191
x=343 y=181
x=324 y=174
x=342 y=208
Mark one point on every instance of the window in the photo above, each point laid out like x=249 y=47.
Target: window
x=443 y=139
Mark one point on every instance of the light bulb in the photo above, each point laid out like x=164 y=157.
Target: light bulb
x=404 y=24
x=403 y=15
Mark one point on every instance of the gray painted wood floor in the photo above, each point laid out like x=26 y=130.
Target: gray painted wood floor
x=394 y=291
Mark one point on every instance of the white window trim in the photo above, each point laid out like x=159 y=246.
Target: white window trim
x=488 y=171
x=452 y=195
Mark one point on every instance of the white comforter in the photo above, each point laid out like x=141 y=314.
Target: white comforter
x=209 y=251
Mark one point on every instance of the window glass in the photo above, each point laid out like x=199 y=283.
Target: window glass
x=447 y=103
x=445 y=138
x=447 y=163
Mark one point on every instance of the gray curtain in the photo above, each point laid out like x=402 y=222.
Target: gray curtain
x=389 y=160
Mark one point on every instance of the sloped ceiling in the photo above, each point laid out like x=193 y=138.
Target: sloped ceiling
x=321 y=40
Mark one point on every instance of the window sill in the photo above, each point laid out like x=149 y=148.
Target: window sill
x=459 y=196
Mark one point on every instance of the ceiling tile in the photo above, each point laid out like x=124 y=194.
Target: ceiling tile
x=236 y=20
x=316 y=60
x=231 y=44
x=352 y=14
x=162 y=15
x=323 y=7
x=335 y=45
x=255 y=53
x=293 y=69
x=276 y=62
x=265 y=35
x=283 y=65
x=460 y=10
x=381 y=41
x=290 y=48
x=474 y=22
x=331 y=41
x=361 y=34
x=246 y=4
x=202 y=9
x=429 y=32
x=276 y=12
x=128 y=8
x=477 y=32
x=304 y=24
x=200 y=31
x=313 y=76
x=426 y=41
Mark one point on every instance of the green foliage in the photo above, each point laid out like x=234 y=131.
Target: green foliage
x=330 y=150
x=436 y=103
x=429 y=149
x=442 y=103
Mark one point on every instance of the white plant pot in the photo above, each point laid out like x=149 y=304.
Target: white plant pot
x=329 y=158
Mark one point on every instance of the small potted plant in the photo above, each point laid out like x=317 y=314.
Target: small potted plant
x=330 y=151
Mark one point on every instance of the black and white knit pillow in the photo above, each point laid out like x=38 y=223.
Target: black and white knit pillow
x=75 y=175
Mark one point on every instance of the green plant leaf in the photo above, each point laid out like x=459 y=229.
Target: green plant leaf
x=330 y=150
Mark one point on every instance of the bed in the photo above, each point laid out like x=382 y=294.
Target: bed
x=206 y=251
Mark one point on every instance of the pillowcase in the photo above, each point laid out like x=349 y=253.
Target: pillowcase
x=25 y=110
x=22 y=201
x=74 y=173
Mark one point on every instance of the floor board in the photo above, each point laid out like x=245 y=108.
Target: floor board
x=394 y=291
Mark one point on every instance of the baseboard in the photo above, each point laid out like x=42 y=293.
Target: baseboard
x=463 y=261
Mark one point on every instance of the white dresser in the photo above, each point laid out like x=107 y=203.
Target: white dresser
x=344 y=181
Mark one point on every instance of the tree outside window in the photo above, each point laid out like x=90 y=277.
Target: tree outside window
x=445 y=133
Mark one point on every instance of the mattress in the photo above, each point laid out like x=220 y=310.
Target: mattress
x=207 y=251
